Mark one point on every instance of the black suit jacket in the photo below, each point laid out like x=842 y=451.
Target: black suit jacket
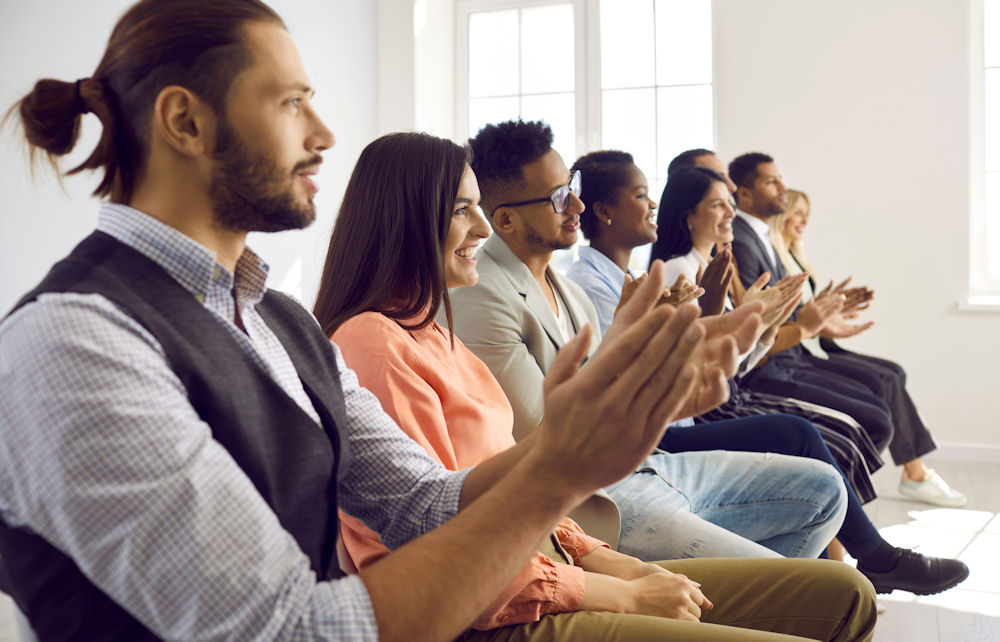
x=751 y=256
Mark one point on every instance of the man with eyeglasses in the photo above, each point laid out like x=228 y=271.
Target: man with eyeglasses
x=719 y=504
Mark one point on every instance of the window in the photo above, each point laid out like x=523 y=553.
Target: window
x=991 y=147
x=634 y=75
x=503 y=78
x=984 y=180
x=656 y=84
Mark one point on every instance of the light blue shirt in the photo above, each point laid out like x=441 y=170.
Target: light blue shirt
x=602 y=280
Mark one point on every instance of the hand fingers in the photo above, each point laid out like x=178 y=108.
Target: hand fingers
x=712 y=390
x=728 y=276
x=680 y=282
x=731 y=322
x=654 y=371
x=697 y=599
x=568 y=359
x=664 y=373
x=858 y=329
x=645 y=294
x=668 y=408
x=694 y=294
x=761 y=281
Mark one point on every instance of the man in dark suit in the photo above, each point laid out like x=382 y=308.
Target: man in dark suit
x=761 y=194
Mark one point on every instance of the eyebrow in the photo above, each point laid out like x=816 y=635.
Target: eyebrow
x=569 y=177
x=297 y=86
x=462 y=199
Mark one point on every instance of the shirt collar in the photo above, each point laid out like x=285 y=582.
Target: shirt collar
x=696 y=259
x=760 y=228
x=188 y=262
x=603 y=265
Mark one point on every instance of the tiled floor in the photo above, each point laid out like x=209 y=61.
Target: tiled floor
x=969 y=612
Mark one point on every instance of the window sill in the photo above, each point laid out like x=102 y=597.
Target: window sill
x=982 y=303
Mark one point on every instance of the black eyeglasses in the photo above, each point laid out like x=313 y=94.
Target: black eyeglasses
x=558 y=198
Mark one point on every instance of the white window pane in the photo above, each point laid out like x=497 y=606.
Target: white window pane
x=493 y=58
x=547 y=49
x=484 y=111
x=991 y=29
x=993 y=224
x=628 y=123
x=683 y=42
x=559 y=111
x=627 y=52
x=684 y=121
x=992 y=118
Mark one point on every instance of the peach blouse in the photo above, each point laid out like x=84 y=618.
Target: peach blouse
x=448 y=401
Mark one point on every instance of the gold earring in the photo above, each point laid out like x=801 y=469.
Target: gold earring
x=609 y=221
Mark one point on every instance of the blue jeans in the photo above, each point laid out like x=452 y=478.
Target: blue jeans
x=779 y=433
x=728 y=504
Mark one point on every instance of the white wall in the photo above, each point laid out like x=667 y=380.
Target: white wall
x=416 y=66
x=40 y=222
x=865 y=106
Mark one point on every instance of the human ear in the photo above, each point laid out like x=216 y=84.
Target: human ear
x=503 y=221
x=183 y=121
x=601 y=211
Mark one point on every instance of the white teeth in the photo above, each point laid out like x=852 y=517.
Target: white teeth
x=466 y=253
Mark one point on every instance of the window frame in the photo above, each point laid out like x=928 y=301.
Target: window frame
x=587 y=57
x=984 y=291
x=581 y=59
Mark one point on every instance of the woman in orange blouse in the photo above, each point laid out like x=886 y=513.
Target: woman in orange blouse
x=382 y=285
x=406 y=232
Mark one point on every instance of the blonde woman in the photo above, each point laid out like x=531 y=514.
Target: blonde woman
x=911 y=439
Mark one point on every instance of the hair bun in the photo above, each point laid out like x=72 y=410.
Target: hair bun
x=51 y=116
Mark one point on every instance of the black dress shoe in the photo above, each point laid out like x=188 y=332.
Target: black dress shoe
x=918 y=574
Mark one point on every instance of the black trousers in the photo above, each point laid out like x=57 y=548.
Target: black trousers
x=796 y=374
x=910 y=437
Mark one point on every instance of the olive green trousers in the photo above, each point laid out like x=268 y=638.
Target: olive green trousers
x=755 y=599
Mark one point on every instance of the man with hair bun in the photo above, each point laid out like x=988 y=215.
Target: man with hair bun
x=176 y=438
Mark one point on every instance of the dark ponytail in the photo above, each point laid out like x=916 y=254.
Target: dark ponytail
x=197 y=44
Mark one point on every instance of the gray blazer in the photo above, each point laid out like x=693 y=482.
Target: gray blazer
x=506 y=321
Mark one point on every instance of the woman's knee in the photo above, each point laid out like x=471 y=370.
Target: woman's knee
x=799 y=433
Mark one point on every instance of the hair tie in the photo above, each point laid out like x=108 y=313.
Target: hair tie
x=81 y=106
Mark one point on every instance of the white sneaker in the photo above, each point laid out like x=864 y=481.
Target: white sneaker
x=933 y=490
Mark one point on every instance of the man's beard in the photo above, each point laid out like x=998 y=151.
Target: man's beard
x=532 y=237
x=247 y=190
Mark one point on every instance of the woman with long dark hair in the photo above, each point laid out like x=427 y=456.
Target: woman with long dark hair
x=406 y=232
